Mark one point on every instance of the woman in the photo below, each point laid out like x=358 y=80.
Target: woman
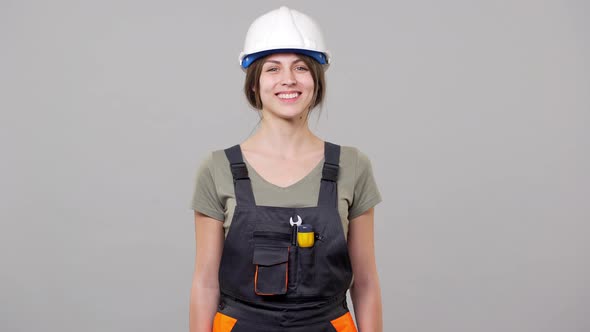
x=296 y=212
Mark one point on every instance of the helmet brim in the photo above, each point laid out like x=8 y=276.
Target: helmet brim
x=317 y=56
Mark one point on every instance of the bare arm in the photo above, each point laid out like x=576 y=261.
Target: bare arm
x=365 y=291
x=204 y=297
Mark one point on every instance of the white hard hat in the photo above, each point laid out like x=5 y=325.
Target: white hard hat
x=284 y=30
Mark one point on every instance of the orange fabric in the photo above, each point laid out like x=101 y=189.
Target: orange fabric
x=344 y=323
x=223 y=323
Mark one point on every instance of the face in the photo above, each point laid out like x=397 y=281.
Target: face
x=286 y=85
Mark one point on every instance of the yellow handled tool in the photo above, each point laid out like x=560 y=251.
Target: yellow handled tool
x=305 y=236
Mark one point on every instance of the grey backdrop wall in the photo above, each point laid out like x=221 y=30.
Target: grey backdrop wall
x=474 y=114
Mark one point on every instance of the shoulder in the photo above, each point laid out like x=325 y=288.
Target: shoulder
x=213 y=161
x=354 y=158
x=219 y=164
x=218 y=157
x=204 y=166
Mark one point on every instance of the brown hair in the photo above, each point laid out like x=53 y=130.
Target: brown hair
x=252 y=81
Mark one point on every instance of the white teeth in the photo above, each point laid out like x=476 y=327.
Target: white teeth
x=288 y=96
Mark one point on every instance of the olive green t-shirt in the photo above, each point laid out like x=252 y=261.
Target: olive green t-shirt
x=357 y=191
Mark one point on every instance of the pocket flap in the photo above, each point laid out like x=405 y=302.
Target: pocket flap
x=265 y=255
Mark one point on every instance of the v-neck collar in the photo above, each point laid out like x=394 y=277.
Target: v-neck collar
x=314 y=171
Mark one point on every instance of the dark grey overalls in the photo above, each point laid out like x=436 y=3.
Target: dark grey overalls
x=268 y=282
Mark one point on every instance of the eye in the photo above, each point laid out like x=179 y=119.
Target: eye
x=272 y=69
x=301 y=68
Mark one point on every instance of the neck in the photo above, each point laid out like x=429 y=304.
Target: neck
x=287 y=138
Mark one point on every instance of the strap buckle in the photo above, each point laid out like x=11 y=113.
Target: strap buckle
x=239 y=171
x=330 y=172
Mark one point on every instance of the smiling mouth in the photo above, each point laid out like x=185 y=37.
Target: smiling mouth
x=288 y=95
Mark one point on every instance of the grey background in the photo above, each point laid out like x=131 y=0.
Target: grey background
x=473 y=113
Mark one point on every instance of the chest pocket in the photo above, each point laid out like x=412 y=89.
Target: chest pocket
x=271 y=258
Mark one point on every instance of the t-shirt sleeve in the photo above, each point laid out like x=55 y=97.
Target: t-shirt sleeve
x=366 y=193
x=205 y=198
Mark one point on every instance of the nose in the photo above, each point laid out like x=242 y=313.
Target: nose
x=288 y=78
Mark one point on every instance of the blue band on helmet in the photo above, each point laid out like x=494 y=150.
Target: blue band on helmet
x=318 y=56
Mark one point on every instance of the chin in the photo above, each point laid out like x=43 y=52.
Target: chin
x=289 y=115
x=287 y=112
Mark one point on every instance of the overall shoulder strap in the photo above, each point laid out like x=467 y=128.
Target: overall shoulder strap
x=239 y=171
x=328 y=187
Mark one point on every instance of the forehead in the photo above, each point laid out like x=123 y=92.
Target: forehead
x=283 y=57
